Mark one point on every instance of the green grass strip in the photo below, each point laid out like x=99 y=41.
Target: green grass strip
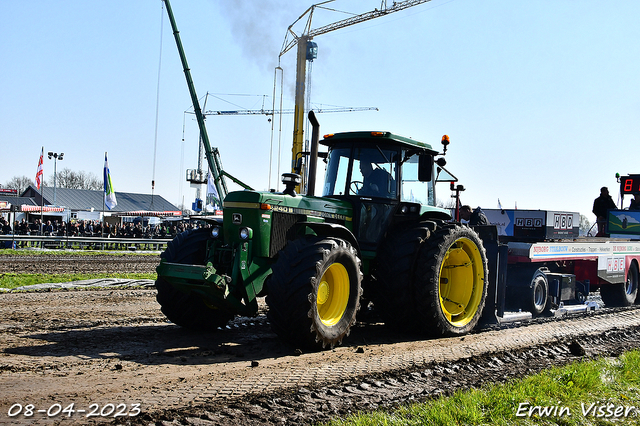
x=598 y=392
x=12 y=280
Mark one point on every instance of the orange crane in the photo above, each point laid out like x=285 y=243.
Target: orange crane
x=307 y=50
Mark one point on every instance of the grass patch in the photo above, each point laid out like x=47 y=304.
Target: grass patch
x=12 y=280
x=598 y=392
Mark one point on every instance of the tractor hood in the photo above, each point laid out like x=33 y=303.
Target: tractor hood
x=319 y=207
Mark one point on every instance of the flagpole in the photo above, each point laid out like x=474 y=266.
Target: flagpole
x=104 y=194
x=108 y=188
x=42 y=202
x=42 y=207
x=40 y=186
x=104 y=219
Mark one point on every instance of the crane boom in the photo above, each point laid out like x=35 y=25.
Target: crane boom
x=287 y=111
x=366 y=16
x=345 y=22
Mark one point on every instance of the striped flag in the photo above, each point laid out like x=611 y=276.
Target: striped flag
x=40 y=171
x=109 y=192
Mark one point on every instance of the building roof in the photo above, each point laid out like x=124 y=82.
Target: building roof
x=17 y=201
x=87 y=199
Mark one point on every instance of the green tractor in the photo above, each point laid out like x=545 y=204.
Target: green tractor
x=374 y=237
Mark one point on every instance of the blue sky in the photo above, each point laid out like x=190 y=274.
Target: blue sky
x=541 y=99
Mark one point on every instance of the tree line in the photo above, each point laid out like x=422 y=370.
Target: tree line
x=65 y=178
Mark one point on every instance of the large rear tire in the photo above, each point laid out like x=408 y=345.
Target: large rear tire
x=622 y=294
x=188 y=309
x=392 y=292
x=451 y=282
x=314 y=292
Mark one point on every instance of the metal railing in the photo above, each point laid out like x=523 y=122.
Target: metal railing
x=82 y=243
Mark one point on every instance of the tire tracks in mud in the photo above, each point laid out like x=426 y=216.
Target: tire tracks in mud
x=79 y=264
x=314 y=404
x=100 y=346
x=365 y=382
x=115 y=345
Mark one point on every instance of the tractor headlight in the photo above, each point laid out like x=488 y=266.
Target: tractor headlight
x=246 y=233
x=409 y=209
x=215 y=231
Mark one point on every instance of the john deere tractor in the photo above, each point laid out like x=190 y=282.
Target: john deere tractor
x=374 y=237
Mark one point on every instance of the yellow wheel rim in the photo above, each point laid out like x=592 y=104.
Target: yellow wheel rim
x=461 y=282
x=333 y=294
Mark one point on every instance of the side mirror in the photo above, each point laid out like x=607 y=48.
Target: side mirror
x=425 y=168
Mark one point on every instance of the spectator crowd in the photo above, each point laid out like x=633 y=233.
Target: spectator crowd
x=95 y=228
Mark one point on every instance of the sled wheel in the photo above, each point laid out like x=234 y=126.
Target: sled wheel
x=451 y=281
x=188 y=309
x=314 y=292
x=622 y=294
x=539 y=293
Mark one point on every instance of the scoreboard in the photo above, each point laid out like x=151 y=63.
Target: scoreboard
x=630 y=184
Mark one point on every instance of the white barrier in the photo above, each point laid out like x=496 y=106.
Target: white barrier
x=66 y=242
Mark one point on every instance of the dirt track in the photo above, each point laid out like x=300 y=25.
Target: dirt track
x=115 y=347
x=59 y=264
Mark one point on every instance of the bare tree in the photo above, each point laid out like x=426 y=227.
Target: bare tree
x=67 y=178
x=585 y=225
x=20 y=183
x=450 y=204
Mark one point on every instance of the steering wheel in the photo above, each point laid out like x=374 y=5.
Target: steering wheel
x=356 y=186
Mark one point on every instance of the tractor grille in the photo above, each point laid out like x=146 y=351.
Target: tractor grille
x=281 y=230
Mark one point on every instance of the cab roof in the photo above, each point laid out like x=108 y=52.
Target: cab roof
x=375 y=138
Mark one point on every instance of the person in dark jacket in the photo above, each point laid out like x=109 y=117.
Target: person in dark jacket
x=475 y=217
x=601 y=206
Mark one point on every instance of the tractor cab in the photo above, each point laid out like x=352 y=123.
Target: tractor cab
x=387 y=178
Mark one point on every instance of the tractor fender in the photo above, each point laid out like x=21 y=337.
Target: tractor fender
x=329 y=230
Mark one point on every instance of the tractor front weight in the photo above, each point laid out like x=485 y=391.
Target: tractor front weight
x=235 y=292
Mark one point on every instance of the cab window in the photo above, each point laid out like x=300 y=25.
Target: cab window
x=412 y=190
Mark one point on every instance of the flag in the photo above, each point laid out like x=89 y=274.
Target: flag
x=109 y=192
x=40 y=171
x=499 y=204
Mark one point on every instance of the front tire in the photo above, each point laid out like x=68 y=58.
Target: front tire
x=451 y=282
x=188 y=309
x=314 y=292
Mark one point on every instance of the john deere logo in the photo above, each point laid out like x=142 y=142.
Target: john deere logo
x=236 y=218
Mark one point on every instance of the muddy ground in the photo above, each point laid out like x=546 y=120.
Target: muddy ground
x=79 y=264
x=112 y=354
